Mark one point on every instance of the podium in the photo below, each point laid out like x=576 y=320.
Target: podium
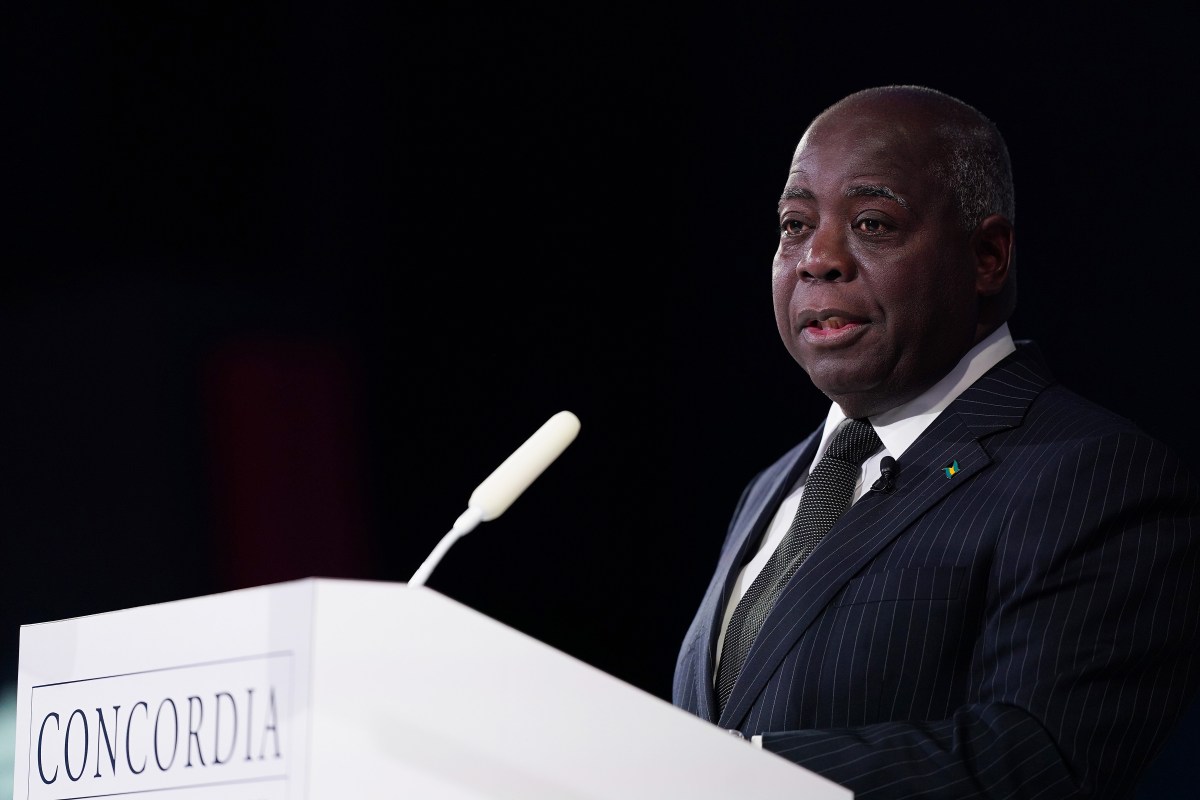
x=324 y=689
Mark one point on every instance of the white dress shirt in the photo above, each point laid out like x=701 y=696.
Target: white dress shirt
x=897 y=429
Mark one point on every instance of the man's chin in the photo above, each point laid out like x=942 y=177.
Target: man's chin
x=837 y=378
x=858 y=404
x=861 y=398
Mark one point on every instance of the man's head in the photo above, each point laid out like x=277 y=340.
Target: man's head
x=895 y=246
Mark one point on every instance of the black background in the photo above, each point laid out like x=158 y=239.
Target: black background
x=458 y=222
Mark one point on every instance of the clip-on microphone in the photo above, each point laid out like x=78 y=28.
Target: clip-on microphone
x=889 y=469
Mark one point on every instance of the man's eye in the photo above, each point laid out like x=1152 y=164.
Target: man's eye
x=791 y=227
x=870 y=226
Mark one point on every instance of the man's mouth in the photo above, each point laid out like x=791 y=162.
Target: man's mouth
x=830 y=325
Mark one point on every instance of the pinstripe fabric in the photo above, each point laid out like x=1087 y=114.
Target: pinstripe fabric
x=1026 y=628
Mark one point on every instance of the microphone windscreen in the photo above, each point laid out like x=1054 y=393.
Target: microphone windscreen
x=519 y=470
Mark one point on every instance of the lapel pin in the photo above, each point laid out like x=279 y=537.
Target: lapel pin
x=951 y=470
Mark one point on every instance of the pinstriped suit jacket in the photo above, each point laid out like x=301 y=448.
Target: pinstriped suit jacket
x=1027 y=628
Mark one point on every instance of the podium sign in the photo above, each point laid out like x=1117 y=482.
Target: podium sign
x=326 y=689
x=193 y=694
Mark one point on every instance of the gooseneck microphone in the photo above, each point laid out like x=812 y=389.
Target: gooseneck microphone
x=889 y=470
x=498 y=490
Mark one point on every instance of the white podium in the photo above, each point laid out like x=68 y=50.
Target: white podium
x=331 y=690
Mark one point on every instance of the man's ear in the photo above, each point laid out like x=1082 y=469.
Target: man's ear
x=992 y=243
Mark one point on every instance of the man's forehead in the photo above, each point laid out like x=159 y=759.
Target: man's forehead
x=876 y=126
x=858 y=163
x=863 y=155
x=869 y=142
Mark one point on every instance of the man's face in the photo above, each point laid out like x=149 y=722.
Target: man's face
x=874 y=279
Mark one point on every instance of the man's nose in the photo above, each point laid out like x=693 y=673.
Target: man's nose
x=828 y=258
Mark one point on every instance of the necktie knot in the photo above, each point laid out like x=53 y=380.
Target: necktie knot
x=854 y=440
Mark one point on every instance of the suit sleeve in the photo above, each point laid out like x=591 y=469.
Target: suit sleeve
x=1087 y=655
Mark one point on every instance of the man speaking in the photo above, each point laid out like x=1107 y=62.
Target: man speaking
x=969 y=582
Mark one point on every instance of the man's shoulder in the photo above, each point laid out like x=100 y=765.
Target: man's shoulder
x=1063 y=422
x=1060 y=403
x=1024 y=387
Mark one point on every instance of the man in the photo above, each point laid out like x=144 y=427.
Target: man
x=990 y=586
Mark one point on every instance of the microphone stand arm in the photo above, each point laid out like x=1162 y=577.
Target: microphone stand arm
x=466 y=523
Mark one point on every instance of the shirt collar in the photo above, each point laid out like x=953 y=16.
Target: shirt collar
x=899 y=427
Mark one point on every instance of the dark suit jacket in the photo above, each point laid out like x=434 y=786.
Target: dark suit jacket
x=1027 y=627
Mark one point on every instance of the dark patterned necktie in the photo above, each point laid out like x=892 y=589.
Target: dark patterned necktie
x=827 y=494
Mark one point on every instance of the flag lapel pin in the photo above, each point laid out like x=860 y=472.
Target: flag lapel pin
x=951 y=470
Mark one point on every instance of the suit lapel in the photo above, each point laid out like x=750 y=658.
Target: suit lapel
x=942 y=460
x=752 y=519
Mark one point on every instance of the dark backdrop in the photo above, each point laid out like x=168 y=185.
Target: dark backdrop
x=282 y=285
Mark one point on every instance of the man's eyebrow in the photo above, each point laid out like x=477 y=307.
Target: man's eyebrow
x=863 y=190
x=796 y=194
x=871 y=190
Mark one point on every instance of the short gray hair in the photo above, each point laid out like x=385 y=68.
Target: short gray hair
x=976 y=170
